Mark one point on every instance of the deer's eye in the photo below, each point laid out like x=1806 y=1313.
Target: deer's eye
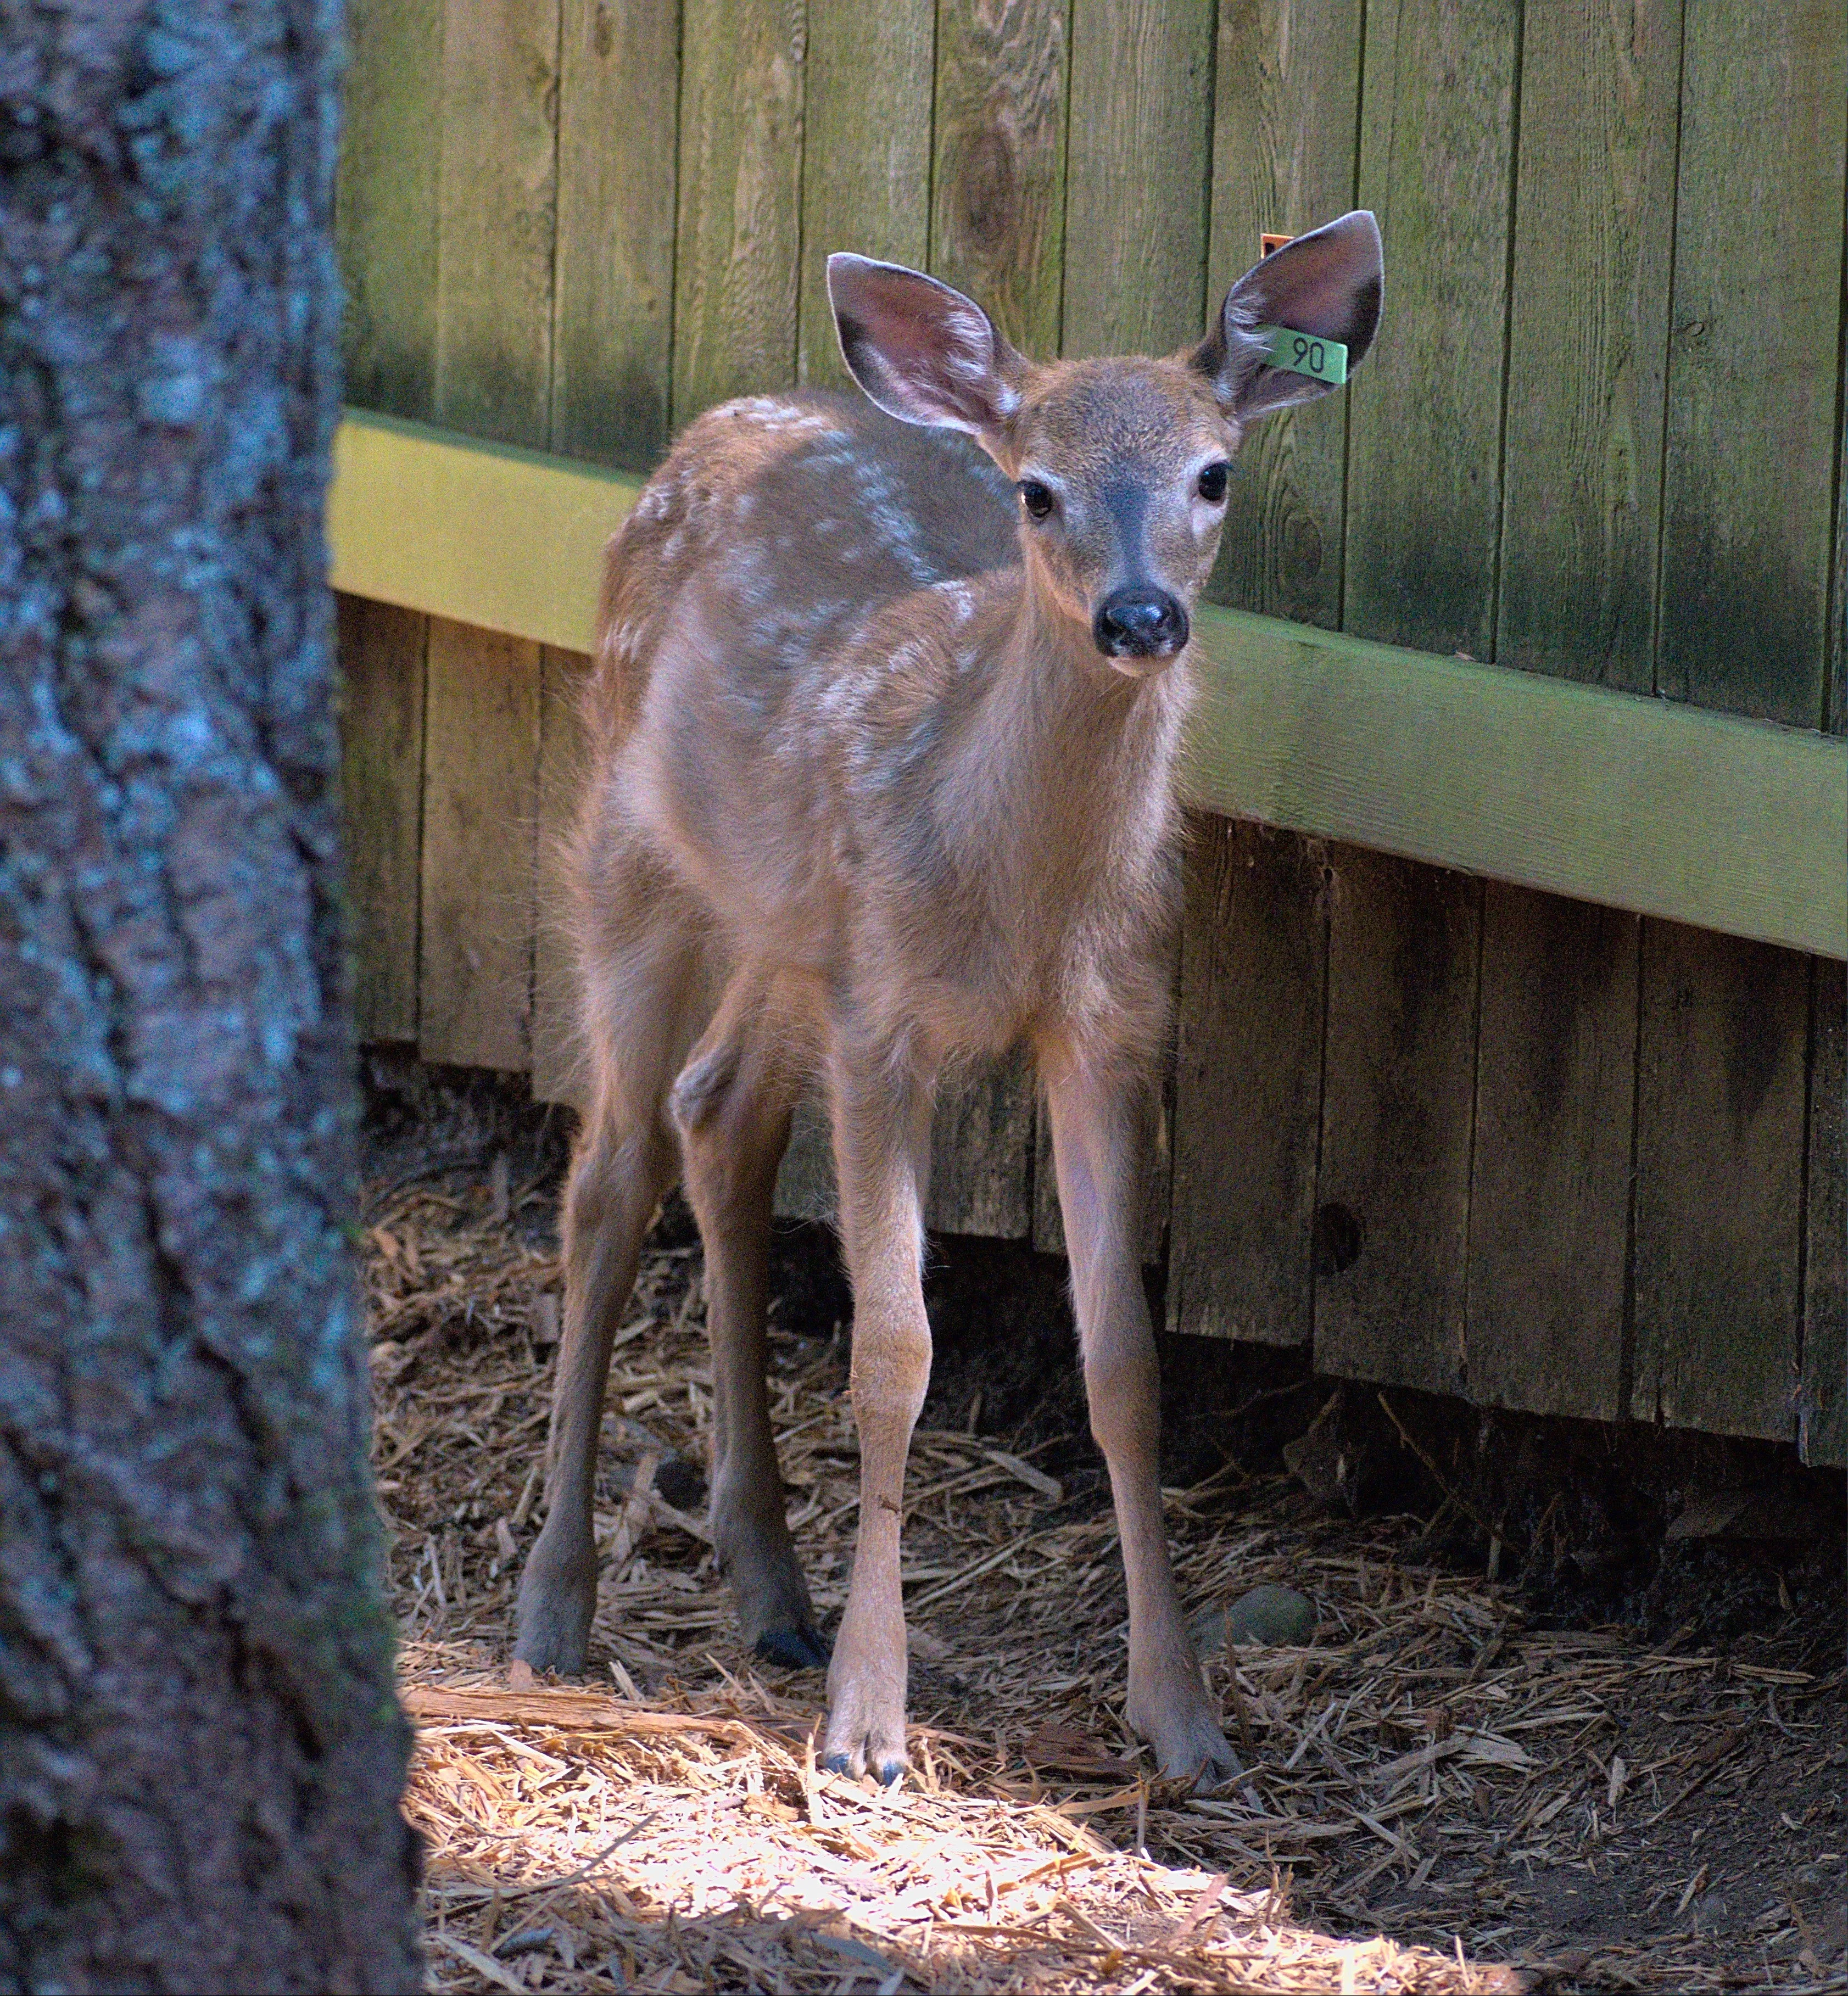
x=1213 y=483
x=1036 y=497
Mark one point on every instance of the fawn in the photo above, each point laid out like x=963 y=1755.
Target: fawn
x=883 y=730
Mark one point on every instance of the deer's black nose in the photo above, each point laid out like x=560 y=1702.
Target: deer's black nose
x=1139 y=622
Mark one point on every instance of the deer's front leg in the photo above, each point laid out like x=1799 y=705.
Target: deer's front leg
x=882 y=1140
x=1094 y=1151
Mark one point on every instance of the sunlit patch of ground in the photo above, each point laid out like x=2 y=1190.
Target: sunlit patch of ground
x=1440 y=1797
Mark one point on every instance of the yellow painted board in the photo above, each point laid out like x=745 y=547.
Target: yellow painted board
x=1640 y=803
x=1637 y=803
x=485 y=534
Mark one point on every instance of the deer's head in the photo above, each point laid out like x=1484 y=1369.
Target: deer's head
x=1121 y=465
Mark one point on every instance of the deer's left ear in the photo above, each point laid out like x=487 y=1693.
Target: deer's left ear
x=1325 y=286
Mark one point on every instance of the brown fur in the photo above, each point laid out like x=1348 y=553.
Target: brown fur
x=865 y=797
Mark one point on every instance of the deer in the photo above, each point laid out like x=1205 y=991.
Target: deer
x=883 y=722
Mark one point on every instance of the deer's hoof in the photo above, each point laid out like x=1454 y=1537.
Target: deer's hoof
x=803 y=1647
x=1188 y=1744
x=887 y=1773
x=558 y=1597
x=860 y=1741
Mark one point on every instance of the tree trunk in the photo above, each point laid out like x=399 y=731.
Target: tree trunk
x=201 y=1756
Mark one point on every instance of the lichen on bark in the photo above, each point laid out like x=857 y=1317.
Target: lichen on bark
x=201 y=1755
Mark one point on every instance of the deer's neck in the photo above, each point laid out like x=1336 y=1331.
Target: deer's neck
x=1069 y=772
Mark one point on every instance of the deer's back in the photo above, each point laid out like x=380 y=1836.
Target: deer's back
x=797 y=513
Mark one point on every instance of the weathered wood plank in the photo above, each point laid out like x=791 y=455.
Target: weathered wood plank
x=1837 y=601
x=385 y=203
x=497 y=204
x=507 y=539
x=739 y=229
x=618 y=98
x=1254 y=956
x=1284 y=144
x=497 y=208
x=381 y=781
x=1424 y=413
x=982 y=1151
x=1645 y=805
x=1754 y=342
x=1549 y=1234
x=1393 y=1190
x=805 y=1182
x=1424 y=435
x=1823 y=1399
x=998 y=183
x=557 y=1071
x=1754 y=354
x=1247 y=1086
x=1138 y=165
x=1588 y=342
x=480 y=771
x=1720 y=1182
x=867 y=186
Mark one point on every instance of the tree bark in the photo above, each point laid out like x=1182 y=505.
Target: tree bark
x=201 y=1754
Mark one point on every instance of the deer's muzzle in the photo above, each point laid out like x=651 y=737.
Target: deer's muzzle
x=1140 y=622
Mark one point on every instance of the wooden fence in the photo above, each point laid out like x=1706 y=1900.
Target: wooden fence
x=1458 y=1133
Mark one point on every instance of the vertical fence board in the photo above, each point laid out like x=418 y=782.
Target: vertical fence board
x=619 y=80
x=386 y=229
x=1836 y=721
x=381 y=779
x=1254 y=951
x=1424 y=413
x=1822 y=1400
x=1549 y=1210
x=867 y=186
x=481 y=767
x=1283 y=158
x=1588 y=341
x=1719 y=1181
x=1403 y=946
x=1755 y=341
x=1754 y=337
x=385 y=203
x=557 y=1076
x=1138 y=161
x=998 y=182
x=982 y=1173
x=497 y=206
x=742 y=102
x=1247 y=1087
x=1424 y=431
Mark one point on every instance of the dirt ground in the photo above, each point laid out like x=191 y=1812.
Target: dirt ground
x=1621 y=1763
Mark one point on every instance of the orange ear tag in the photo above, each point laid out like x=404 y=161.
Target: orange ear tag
x=1268 y=242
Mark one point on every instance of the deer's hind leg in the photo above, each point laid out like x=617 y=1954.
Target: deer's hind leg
x=731 y=1105
x=639 y=993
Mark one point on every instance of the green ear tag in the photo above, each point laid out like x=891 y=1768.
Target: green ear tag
x=1325 y=360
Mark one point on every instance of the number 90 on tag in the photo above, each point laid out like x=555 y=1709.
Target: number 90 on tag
x=1304 y=353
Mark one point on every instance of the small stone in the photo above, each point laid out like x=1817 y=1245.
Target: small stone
x=1277 y=1617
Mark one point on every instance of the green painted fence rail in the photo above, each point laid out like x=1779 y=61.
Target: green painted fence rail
x=1634 y=803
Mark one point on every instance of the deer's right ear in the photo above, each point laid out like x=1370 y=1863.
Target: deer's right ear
x=924 y=352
